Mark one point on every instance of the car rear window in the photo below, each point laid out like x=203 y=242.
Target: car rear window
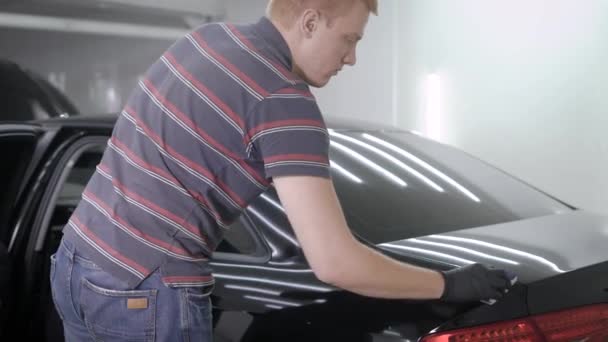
x=397 y=185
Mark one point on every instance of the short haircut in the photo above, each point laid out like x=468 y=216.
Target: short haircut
x=286 y=12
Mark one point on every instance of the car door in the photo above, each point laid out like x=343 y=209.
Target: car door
x=21 y=148
x=71 y=166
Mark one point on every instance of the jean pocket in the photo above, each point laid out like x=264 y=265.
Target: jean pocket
x=198 y=294
x=197 y=316
x=118 y=315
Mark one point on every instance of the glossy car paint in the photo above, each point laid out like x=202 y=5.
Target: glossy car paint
x=272 y=295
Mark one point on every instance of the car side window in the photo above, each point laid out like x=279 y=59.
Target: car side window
x=237 y=239
x=15 y=149
x=71 y=191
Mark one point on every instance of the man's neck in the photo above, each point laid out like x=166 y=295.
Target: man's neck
x=290 y=39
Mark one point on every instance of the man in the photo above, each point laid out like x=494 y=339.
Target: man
x=224 y=112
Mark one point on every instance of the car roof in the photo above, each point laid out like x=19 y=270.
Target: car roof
x=17 y=79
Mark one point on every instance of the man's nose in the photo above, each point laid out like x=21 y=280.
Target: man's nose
x=351 y=58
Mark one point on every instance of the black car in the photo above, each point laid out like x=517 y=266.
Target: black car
x=406 y=196
x=25 y=95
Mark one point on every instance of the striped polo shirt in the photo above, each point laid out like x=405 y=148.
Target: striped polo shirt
x=208 y=126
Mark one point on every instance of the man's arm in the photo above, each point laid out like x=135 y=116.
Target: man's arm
x=336 y=257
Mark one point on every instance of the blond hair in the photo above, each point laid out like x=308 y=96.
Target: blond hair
x=287 y=11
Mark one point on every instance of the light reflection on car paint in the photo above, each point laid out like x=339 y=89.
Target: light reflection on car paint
x=306 y=270
x=392 y=159
x=345 y=172
x=464 y=250
x=500 y=248
x=369 y=163
x=252 y=289
x=424 y=165
x=444 y=257
x=273 y=227
x=292 y=284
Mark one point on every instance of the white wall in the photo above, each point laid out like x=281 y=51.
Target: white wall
x=215 y=7
x=372 y=77
x=244 y=11
x=523 y=84
x=367 y=90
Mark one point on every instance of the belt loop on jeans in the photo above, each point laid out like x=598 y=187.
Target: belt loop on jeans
x=69 y=248
x=86 y=263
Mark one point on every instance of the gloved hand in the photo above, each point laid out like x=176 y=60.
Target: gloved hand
x=475 y=282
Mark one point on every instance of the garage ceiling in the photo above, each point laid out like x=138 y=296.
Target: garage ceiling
x=177 y=13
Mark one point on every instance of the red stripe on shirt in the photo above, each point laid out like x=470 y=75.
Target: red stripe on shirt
x=136 y=231
x=240 y=74
x=142 y=163
x=203 y=171
x=108 y=248
x=165 y=102
x=156 y=208
x=216 y=100
x=288 y=74
x=197 y=196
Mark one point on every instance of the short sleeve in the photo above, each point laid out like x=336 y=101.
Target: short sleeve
x=286 y=132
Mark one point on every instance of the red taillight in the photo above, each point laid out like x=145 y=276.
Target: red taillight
x=589 y=324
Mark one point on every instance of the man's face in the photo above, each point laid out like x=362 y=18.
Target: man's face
x=325 y=49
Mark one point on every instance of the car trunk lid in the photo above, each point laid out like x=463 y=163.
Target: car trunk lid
x=534 y=249
x=561 y=262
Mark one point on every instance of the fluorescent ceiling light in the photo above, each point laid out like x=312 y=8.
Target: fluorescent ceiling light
x=46 y=23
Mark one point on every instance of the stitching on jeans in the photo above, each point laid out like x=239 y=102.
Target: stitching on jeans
x=152 y=324
x=86 y=263
x=71 y=300
x=185 y=319
x=115 y=293
x=89 y=327
x=53 y=296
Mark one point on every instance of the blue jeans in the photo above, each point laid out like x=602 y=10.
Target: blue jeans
x=95 y=306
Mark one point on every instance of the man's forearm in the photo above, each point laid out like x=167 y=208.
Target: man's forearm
x=391 y=278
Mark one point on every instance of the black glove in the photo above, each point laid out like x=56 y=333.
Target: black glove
x=473 y=283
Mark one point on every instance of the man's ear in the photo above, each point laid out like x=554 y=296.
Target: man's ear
x=309 y=22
